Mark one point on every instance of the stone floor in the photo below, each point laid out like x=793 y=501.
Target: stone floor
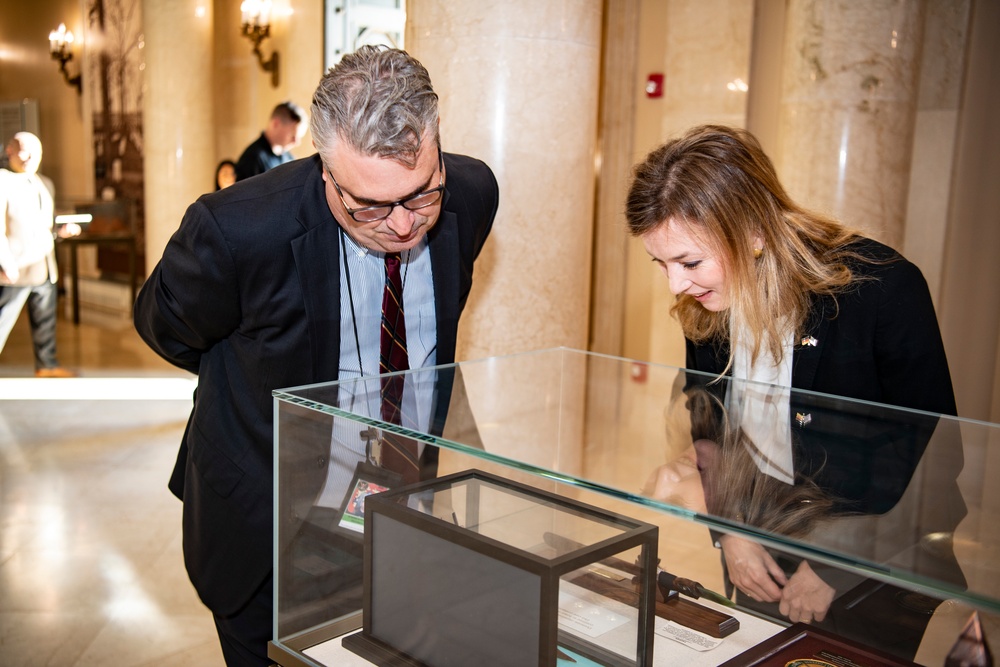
x=91 y=571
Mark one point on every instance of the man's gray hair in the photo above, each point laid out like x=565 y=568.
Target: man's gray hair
x=380 y=101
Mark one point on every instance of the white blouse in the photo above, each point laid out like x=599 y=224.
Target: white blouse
x=758 y=400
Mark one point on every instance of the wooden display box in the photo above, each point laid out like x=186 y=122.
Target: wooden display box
x=468 y=570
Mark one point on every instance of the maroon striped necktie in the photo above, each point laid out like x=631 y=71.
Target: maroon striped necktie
x=398 y=453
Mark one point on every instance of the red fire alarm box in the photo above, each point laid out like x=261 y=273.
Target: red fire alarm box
x=654 y=85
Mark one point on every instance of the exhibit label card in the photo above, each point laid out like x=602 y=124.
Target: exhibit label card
x=586 y=616
x=699 y=641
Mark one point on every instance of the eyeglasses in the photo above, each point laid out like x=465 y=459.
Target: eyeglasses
x=378 y=212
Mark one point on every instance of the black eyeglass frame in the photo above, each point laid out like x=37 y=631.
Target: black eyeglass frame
x=390 y=207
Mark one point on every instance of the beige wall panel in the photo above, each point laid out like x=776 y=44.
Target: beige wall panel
x=518 y=83
x=177 y=115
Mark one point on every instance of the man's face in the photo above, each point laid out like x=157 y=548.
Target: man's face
x=367 y=180
x=289 y=134
x=24 y=154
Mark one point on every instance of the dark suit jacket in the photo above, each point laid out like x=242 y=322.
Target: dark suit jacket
x=247 y=296
x=878 y=342
x=258 y=158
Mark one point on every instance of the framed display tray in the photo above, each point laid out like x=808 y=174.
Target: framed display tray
x=801 y=645
x=472 y=569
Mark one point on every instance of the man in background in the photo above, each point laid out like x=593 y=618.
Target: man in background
x=28 y=271
x=284 y=131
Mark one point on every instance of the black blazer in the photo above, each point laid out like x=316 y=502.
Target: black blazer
x=247 y=296
x=878 y=342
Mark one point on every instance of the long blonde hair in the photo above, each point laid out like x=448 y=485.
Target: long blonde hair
x=719 y=181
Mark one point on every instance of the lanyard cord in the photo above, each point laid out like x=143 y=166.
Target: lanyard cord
x=350 y=297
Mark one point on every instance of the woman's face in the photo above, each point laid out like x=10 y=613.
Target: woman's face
x=691 y=266
x=678 y=482
x=227 y=176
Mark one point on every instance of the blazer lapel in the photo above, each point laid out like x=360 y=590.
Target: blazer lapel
x=809 y=345
x=446 y=271
x=317 y=262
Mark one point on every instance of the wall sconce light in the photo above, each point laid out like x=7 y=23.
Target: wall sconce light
x=256 y=26
x=60 y=41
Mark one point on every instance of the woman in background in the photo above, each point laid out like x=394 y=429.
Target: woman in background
x=225 y=174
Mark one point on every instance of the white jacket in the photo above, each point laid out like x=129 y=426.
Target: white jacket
x=26 y=211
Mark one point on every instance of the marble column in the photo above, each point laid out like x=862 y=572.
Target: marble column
x=946 y=42
x=519 y=84
x=848 y=109
x=177 y=114
x=703 y=50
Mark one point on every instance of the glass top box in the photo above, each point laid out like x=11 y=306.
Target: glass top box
x=899 y=497
x=473 y=569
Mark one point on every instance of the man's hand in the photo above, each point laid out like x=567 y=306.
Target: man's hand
x=806 y=597
x=752 y=570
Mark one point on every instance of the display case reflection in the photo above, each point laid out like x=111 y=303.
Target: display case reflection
x=821 y=470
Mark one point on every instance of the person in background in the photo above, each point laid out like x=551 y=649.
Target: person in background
x=28 y=271
x=225 y=174
x=298 y=299
x=284 y=131
x=771 y=293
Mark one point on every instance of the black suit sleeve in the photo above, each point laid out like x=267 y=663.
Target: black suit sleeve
x=909 y=353
x=190 y=301
x=475 y=203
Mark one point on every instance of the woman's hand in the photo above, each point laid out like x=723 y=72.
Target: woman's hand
x=806 y=597
x=752 y=570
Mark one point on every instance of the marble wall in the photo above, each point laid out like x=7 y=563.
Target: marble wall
x=177 y=115
x=703 y=49
x=27 y=71
x=849 y=92
x=223 y=100
x=243 y=95
x=519 y=88
x=935 y=130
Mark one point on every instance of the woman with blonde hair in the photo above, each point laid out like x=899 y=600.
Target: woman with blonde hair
x=770 y=293
x=748 y=263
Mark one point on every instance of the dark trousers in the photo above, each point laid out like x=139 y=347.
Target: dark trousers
x=41 y=302
x=245 y=634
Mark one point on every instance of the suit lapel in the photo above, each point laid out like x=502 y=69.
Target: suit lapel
x=444 y=247
x=317 y=262
x=809 y=345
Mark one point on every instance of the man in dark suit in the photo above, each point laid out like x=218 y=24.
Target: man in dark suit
x=278 y=283
x=284 y=131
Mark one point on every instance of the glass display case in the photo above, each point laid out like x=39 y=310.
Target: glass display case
x=877 y=525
